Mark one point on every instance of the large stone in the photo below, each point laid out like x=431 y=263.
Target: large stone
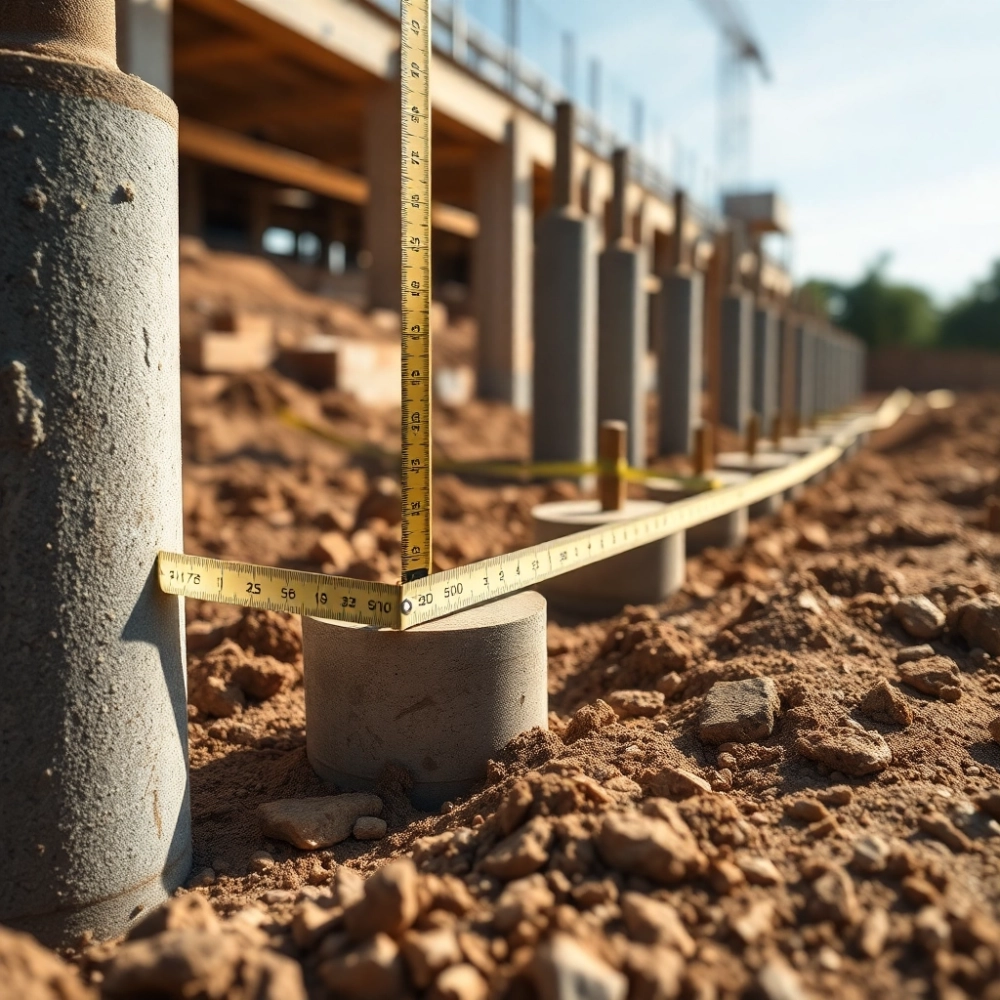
x=849 y=749
x=390 y=903
x=563 y=969
x=739 y=711
x=979 y=623
x=316 y=822
x=919 y=616
x=660 y=847
x=938 y=676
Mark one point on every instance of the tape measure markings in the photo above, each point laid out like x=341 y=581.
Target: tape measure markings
x=384 y=605
x=415 y=290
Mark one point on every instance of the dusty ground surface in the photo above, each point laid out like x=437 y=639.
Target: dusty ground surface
x=828 y=828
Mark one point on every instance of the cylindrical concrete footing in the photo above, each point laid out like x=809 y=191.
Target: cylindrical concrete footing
x=440 y=699
x=763 y=461
x=94 y=810
x=646 y=575
x=723 y=532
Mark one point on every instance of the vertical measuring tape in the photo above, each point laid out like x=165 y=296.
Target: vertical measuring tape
x=415 y=297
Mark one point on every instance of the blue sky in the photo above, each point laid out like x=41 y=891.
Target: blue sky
x=881 y=126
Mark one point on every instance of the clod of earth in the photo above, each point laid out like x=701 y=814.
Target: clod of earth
x=920 y=617
x=849 y=749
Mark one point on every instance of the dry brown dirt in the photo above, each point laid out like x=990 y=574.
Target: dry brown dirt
x=851 y=848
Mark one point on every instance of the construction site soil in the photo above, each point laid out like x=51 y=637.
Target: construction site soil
x=780 y=783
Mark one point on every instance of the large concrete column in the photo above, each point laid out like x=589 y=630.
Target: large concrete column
x=766 y=365
x=565 y=318
x=144 y=33
x=381 y=214
x=502 y=264
x=94 y=809
x=736 y=360
x=622 y=324
x=805 y=368
x=679 y=346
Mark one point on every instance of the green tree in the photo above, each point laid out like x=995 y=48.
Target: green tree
x=974 y=320
x=885 y=314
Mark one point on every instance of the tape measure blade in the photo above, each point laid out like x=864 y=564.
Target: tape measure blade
x=416 y=289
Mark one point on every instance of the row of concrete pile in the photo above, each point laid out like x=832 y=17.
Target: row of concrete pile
x=591 y=331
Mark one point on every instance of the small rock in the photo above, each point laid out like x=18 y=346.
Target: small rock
x=725 y=876
x=850 y=750
x=874 y=932
x=369 y=828
x=522 y=853
x=833 y=898
x=563 y=969
x=462 y=981
x=428 y=952
x=374 y=971
x=311 y=922
x=656 y=973
x=660 y=847
x=754 y=924
x=884 y=703
x=938 y=826
x=807 y=810
x=673 y=783
x=669 y=684
x=202 y=878
x=871 y=855
x=390 y=904
x=651 y=921
x=978 y=622
x=994 y=729
x=836 y=795
x=383 y=501
x=759 y=871
x=522 y=899
x=739 y=711
x=779 y=981
x=937 y=675
x=316 y=822
x=990 y=803
x=636 y=704
x=919 y=616
x=588 y=719
x=931 y=929
x=333 y=547
x=813 y=537
x=909 y=654
x=514 y=808
x=260 y=861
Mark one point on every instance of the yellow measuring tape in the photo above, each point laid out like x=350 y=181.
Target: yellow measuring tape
x=383 y=605
x=415 y=293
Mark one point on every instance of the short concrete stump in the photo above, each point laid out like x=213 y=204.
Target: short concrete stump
x=646 y=575
x=763 y=461
x=440 y=699
x=721 y=532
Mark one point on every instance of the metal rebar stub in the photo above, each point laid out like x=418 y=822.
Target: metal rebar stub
x=644 y=575
x=440 y=699
x=93 y=787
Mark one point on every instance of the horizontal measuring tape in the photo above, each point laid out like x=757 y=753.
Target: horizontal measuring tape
x=385 y=605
